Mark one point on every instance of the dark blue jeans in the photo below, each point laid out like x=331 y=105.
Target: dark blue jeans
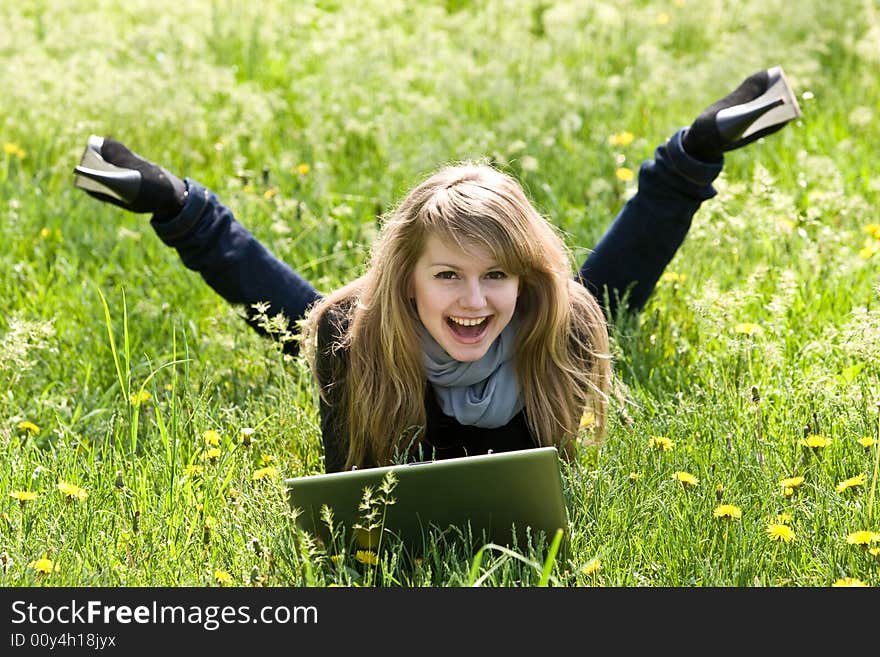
x=622 y=269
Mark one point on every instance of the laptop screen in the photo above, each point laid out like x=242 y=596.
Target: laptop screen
x=504 y=498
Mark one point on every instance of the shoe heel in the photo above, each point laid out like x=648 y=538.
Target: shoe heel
x=95 y=174
x=776 y=105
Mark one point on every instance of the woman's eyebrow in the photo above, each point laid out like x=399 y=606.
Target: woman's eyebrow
x=494 y=265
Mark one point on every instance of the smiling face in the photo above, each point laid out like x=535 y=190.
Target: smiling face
x=464 y=299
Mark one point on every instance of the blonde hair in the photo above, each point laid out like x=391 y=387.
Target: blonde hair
x=562 y=348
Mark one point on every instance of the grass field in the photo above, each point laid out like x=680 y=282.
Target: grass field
x=145 y=430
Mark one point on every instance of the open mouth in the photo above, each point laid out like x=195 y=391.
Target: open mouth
x=469 y=329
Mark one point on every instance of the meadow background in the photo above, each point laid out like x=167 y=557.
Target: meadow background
x=145 y=430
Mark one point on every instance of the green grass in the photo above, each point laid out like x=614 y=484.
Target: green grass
x=372 y=96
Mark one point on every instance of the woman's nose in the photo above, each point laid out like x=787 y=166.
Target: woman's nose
x=473 y=295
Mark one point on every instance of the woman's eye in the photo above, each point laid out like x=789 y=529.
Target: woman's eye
x=496 y=275
x=445 y=275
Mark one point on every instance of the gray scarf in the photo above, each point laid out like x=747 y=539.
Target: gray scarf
x=484 y=392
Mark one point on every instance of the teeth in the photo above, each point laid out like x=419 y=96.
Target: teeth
x=468 y=322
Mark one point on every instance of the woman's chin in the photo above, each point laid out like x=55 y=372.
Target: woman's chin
x=467 y=355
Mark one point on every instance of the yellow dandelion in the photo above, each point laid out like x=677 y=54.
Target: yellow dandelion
x=44 y=566
x=592 y=568
x=24 y=496
x=72 y=491
x=671 y=277
x=270 y=193
x=368 y=557
x=211 y=437
x=778 y=531
x=45 y=233
x=867 y=251
x=624 y=174
x=303 y=169
x=661 y=443
x=14 y=150
x=686 y=478
x=872 y=230
x=858 y=480
x=789 y=485
x=814 y=441
x=849 y=581
x=635 y=476
x=624 y=138
x=28 y=427
x=866 y=441
x=264 y=473
x=192 y=470
x=747 y=328
x=212 y=454
x=588 y=419
x=222 y=577
x=138 y=398
x=874 y=552
x=266 y=459
x=336 y=558
x=727 y=511
x=863 y=537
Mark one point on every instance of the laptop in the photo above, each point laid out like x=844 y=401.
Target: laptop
x=511 y=498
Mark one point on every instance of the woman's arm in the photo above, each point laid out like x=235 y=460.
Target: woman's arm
x=233 y=262
x=191 y=219
x=628 y=260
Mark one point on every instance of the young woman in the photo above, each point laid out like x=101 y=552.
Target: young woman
x=468 y=332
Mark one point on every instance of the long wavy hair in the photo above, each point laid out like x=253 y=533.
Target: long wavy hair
x=562 y=346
